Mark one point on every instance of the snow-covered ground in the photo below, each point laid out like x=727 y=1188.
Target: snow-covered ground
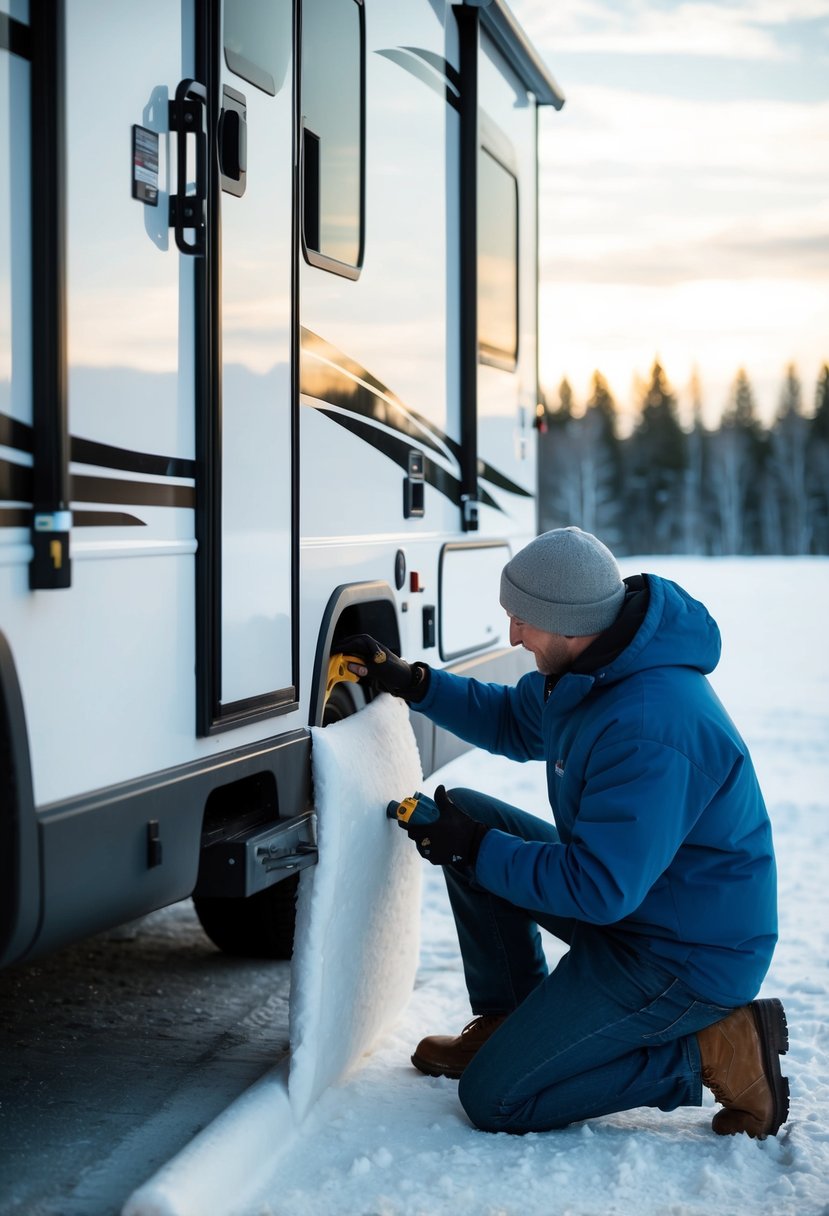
x=387 y=1141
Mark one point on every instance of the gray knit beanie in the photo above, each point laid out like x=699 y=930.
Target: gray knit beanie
x=565 y=581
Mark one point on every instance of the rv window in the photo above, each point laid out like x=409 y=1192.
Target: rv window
x=497 y=262
x=332 y=114
x=257 y=40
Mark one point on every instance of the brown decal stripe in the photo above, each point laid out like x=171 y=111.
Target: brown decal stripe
x=21 y=517
x=16 y=486
x=16 y=480
x=131 y=493
x=105 y=519
x=15 y=517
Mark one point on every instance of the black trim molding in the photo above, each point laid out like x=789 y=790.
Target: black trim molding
x=468 y=32
x=51 y=566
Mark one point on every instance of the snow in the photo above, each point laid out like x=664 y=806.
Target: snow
x=383 y=1140
x=387 y=1141
x=358 y=911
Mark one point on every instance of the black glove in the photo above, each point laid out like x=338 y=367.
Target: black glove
x=452 y=840
x=385 y=670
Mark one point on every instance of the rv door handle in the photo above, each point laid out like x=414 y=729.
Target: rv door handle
x=186 y=117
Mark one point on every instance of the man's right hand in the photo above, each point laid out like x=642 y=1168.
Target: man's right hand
x=384 y=670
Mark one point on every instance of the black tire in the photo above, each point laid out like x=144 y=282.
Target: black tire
x=262 y=926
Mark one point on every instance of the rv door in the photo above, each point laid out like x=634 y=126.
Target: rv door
x=249 y=260
x=179 y=305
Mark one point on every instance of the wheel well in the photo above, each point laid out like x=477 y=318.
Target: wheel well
x=19 y=862
x=353 y=608
x=376 y=617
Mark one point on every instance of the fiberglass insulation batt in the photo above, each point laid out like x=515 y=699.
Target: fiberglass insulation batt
x=355 y=956
x=358 y=910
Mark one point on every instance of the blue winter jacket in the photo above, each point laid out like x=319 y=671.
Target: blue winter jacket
x=664 y=834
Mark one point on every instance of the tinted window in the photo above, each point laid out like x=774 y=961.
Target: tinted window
x=332 y=111
x=257 y=38
x=497 y=261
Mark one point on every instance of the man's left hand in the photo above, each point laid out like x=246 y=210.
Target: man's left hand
x=452 y=840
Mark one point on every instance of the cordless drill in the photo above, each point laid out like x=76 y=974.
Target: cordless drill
x=417 y=809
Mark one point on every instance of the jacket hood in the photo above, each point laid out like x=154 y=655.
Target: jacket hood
x=677 y=631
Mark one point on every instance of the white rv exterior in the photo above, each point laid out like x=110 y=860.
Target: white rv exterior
x=268 y=377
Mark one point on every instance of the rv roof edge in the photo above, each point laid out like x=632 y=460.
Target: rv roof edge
x=502 y=26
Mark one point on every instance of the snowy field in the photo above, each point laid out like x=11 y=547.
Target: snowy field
x=389 y=1142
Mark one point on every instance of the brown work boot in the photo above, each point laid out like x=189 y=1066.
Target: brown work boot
x=440 y=1055
x=740 y=1066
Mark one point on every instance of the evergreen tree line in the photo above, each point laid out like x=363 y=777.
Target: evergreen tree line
x=742 y=488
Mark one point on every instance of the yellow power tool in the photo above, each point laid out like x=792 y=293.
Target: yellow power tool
x=338 y=671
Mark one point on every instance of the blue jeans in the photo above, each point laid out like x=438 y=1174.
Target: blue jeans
x=608 y=1030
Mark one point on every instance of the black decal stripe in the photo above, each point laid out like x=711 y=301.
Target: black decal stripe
x=398 y=451
x=501 y=480
x=314 y=345
x=358 y=400
x=15 y=37
x=131 y=493
x=15 y=482
x=20 y=435
x=336 y=381
x=16 y=434
x=16 y=486
x=87 y=451
x=417 y=69
x=337 y=386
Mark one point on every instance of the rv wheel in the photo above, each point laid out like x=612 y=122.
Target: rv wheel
x=262 y=926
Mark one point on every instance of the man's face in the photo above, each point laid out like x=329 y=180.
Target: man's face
x=553 y=652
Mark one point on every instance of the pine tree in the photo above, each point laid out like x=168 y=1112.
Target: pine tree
x=736 y=472
x=693 y=514
x=656 y=467
x=581 y=463
x=817 y=471
x=820 y=420
x=549 y=463
x=789 y=446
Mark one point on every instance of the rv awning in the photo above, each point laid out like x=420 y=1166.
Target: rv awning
x=519 y=52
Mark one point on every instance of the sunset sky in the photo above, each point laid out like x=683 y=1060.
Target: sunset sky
x=685 y=193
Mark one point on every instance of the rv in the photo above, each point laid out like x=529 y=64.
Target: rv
x=268 y=377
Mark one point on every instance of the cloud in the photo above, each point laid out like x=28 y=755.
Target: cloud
x=727 y=256
x=608 y=127
x=663 y=190
x=739 y=30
